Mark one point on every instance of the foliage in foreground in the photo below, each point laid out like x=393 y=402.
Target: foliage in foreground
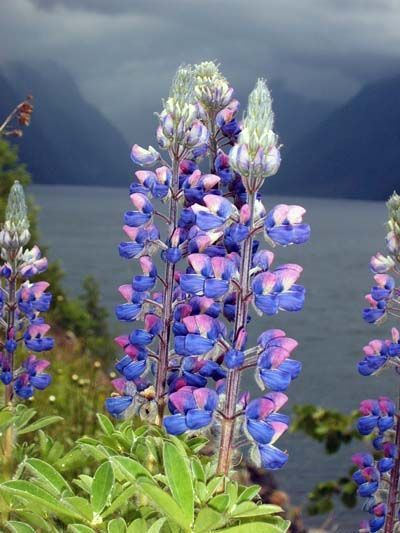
x=128 y=480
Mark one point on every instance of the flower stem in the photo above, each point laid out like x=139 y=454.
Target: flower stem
x=233 y=378
x=9 y=435
x=162 y=367
x=394 y=482
x=213 y=144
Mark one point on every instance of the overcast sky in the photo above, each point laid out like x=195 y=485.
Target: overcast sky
x=123 y=53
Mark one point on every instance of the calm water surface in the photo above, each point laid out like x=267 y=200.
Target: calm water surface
x=82 y=226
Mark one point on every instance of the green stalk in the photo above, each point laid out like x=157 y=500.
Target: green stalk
x=233 y=379
x=167 y=314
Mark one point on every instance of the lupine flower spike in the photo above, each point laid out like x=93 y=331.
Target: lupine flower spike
x=182 y=368
x=21 y=302
x=378 y=475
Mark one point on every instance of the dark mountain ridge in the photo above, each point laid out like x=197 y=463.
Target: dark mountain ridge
x=69 y=140
x=353 y=153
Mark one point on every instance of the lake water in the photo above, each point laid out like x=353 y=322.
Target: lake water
x=82 y=226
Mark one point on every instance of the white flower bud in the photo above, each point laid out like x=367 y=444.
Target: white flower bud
x=211 y=87
x=15 y=232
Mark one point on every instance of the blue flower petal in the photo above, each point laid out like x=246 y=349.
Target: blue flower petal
x=272 y=458
x=198 y=418
x=175 y=424
x=261 y=431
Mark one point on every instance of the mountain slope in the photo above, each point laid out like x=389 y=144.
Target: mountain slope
x=295 y=114
x=69 y=140
x=354 y=153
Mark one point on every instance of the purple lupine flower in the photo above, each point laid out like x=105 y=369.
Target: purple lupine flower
x=277 y=290
x=191 y=409
x=376 y=414
x=193 y=371
x=381 y=264
x=378 y=353
x=265 y=425
x=6 y=376
x=379 y=298
x=32 y=263
x=211 y=277
x=157 y=183
x=143 y=212
x=35 y=337
x=196 y=335
x=28 y=299
x=380 y=417
x=284 y=225
x=199 y=321
x=367 y=479
x=378 y=510
x=276 y=368
x=142 y=241
x=33 y=377
x=196 y=185
x=141 y=156
x=227 y=122
x=215 y=212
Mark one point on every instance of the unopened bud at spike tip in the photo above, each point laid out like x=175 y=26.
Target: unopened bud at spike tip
x=257 y=137
x=15 y=232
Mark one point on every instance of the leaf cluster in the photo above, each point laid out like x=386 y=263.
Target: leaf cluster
x=130 y=480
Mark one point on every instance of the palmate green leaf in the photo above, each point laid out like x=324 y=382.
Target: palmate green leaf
x=213 y=485
x=19 y=527
x=200 y=490
x=120 y=500
x=207 y=520
x=179 y=479
x=36 y=495
x=56 y=451
x=22 y=415
x=198 y=470
x=37 y=522
x=232 y=490
x=105 y=423
x=102 y=486
x=39 y=424
x=137 y=526
x=220 y=502
x=118 y=525
x=84 y=482
x=197 y=443
x=82 y=506
x=94 y=451
x=259 y=527
x=80 y=528
x=53 y=481
x=130 y=468
x=249 y=509
x=164 y=503
x=249 y=493
x=157 y=525
x=71 y=460
x=6 y=417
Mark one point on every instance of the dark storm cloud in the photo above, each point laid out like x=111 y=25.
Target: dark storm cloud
x=123 y=52
x=99 y=6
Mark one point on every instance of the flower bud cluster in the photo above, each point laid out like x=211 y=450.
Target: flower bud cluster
x=256 y=155
x=211 y=87
x=179 y=121
x=15 y=231
x=393 y=236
